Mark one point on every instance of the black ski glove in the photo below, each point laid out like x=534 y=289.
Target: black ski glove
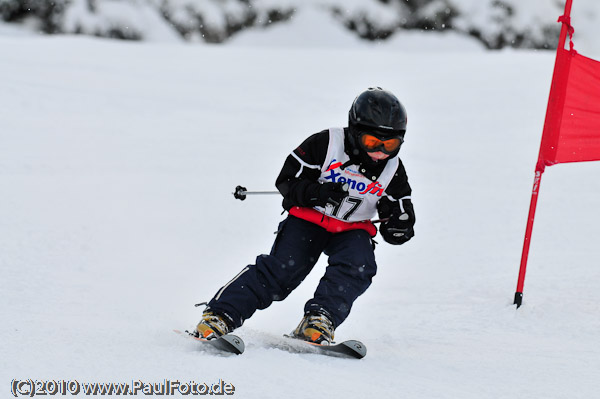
x=330 y=193
x=399 y=228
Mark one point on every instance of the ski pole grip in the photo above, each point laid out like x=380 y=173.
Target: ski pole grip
x=240 y=193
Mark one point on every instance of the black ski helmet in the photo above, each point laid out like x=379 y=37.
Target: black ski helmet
x=379 y=112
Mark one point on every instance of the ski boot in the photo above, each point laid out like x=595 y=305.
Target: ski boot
x=212 y=325
x=315 y=327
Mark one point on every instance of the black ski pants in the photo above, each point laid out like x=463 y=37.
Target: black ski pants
x=296 y=250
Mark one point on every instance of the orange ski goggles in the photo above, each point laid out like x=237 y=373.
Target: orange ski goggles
x=372 y=143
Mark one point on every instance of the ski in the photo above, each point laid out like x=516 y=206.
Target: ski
x=227 y=343
x=233 y=344
x=350 y=348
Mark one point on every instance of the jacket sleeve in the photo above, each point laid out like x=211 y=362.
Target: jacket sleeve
x=298 y=179
x=398 y=196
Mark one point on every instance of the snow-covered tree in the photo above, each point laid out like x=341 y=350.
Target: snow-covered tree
x=495 y=23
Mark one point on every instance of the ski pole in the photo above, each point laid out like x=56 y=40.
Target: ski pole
x=241 y=193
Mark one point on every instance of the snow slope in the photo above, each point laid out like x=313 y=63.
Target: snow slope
x=117 y=163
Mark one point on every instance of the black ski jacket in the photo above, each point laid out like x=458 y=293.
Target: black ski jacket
x=298 y=190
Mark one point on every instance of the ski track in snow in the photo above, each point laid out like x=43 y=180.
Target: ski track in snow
x=117 y=164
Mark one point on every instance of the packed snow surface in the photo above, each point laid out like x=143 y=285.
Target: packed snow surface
x=117 y=164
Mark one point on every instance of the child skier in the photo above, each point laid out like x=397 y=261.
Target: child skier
x=332 y=185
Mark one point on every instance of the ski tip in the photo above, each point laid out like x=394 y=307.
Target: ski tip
x=235 y=342
x=350 y=348
x=359 y=349
x=227 y=343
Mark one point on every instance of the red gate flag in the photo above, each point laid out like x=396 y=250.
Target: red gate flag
x=572 y=126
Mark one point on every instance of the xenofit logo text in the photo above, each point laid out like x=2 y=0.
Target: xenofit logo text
x=374 y=188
